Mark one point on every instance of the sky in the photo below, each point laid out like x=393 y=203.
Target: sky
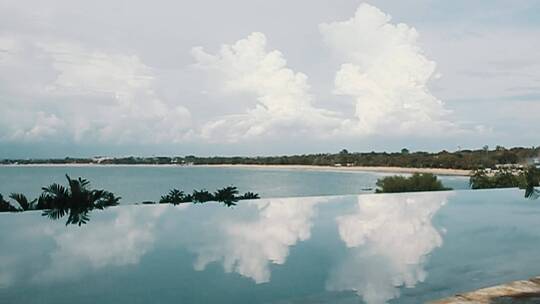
x=252 y=77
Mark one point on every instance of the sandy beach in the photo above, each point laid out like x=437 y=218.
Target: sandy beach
x=437 y=171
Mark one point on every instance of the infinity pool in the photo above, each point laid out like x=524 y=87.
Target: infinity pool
x=402 y=248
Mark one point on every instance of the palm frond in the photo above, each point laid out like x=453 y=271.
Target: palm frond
x=22 y=200
x=5 y=206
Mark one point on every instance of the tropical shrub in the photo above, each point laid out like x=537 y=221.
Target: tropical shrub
x=202 y=196
x=413 y=183
x=481 y=179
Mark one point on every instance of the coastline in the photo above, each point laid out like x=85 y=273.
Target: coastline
x=436 y=171
x=404 y=170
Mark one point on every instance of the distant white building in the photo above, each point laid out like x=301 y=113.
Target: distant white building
x=99 y=159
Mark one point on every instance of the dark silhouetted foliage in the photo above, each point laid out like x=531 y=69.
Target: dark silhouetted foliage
x=23 y=201
x=201 y=196
x=249 y=196
x=174 y=197
x=5 y=206
x=76 y=201
x=227 y=195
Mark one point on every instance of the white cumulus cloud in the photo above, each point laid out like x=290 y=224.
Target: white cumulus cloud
x=387 y=74
x=282 y=95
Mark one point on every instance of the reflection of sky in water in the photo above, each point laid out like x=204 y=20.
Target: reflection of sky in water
x=247 y=246
x=389 y=238
x=404 y=248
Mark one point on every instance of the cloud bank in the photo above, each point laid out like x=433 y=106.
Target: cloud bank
x=386 y=73
x=73 y=92
x=283 y=100
x=57 y=87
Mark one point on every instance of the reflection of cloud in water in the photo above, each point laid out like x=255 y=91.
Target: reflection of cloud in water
x=248 y=246
x=389 y=238
x=122 y=240
x=116 y=237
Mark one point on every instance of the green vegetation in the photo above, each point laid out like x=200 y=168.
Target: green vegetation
x=526 y=179
x=228 y=195
x=482 y=179
x=202 y=196
x=416 y=182
x=78 y=200
x=175 y=197
x=463 y=159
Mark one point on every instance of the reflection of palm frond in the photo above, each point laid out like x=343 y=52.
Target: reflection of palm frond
x=77 y=217
x=54 y=214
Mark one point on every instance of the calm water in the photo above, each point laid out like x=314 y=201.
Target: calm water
x=403 y=248
x=136 y=184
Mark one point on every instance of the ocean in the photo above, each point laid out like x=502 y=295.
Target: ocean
x=147 y=183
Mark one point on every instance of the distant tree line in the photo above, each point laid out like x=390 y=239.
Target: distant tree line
x=463 y=159
x=77 y=200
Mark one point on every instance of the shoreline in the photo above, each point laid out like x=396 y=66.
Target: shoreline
x=404 y=170
x=436 y=171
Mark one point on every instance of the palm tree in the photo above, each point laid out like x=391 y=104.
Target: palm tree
x=23 y=201
x=227 y=195
x=174 y=197
x=5 y=206
x=76 y=201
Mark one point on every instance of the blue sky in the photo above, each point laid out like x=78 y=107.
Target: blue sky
x=257 y=77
